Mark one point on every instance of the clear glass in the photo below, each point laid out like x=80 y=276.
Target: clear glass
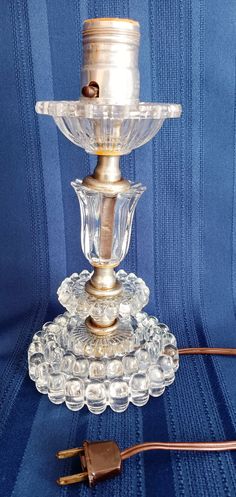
x=96 y=397
x=139 y=389
x=114 y=369
x=74 y=389
x=34 y=361
x=108 y=129
x=95 y=207
x=56 y=387
x=130 y=365
x=42 y=378
x=167 y=366
x=156 y=381
x=119 y=395
x=73 y=296
x=78 y=368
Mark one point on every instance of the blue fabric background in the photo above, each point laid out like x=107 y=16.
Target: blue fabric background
x=183 y=244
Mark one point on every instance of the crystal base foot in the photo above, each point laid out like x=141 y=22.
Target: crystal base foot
x=71 y=365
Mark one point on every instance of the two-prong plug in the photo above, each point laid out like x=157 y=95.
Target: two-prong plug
x=99 y=461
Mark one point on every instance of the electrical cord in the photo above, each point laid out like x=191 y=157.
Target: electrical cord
x=186 y=446
x=101 y=460
x=207 y=351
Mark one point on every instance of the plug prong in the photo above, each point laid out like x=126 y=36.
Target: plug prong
x=63 y=454
x=68 y=480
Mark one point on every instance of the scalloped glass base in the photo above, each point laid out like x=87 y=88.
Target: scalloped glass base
x=72 y=365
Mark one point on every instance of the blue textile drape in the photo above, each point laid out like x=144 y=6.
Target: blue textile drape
x=183 y=243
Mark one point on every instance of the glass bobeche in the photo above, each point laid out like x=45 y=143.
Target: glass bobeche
x=108 y=129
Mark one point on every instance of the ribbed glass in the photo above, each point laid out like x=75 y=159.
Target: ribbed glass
x=108 y=136
x=106 y=222
x=108 y=129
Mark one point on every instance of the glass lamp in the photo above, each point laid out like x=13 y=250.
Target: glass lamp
x=104 y=350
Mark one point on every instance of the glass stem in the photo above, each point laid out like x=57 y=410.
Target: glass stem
x=107 y=171
x=103 y=282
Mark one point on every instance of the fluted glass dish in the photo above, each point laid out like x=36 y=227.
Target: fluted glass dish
x=108 y=129
x=106 y=222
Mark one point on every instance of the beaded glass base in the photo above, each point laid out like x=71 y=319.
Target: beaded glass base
x=72 y=365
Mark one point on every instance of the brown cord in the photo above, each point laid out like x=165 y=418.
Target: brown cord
x=101 y=460
x=207 y=351
x=196 y=446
